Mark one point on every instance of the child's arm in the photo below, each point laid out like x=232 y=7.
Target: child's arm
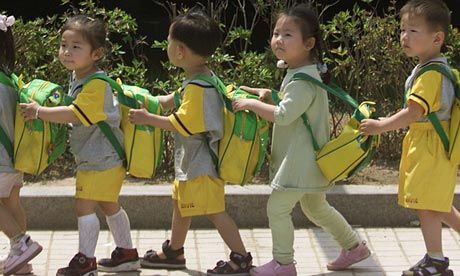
x=402 y=119
x=167 y=101
x=264 y=94
x=264 y=110
x=143 y=117
x=58 y=114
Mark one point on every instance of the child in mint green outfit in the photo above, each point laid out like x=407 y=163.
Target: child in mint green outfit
x=294 y=175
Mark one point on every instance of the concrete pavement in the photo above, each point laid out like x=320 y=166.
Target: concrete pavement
x=393 y=249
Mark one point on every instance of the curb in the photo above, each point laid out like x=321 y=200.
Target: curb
x=150 y=207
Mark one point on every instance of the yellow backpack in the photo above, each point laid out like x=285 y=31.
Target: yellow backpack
x=243 y=146
x=452 y=142
x=37 y=143
x=349 y=152
x=143 y=145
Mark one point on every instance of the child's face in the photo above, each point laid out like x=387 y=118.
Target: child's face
x=173 y=50
x=289 y=44
x=76 y=53
x=418 y=39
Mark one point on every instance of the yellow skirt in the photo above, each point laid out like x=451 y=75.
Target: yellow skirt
x=426 y=176
x=203 y=195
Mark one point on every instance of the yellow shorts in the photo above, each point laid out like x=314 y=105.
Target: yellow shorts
x=100 y=185
x=203 y=195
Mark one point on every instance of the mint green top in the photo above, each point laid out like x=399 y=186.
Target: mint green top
x=293 y=166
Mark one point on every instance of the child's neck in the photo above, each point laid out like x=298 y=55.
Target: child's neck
x=84 y=72
x=197 y=69
x=425 y=58
x=300 y=63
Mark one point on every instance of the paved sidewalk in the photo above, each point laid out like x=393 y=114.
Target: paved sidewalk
x=394 y=249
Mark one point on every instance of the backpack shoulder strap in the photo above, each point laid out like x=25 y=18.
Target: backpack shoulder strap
x=439 y=67
x=103 y=126
x=335 y=90
x=218 y=85
x=4 y=139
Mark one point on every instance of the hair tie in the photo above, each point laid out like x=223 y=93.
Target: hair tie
x=282 y=64
x=322 y=67
x=6 y=21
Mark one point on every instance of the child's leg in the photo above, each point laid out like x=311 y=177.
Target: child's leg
x=88 y=226
x=452 y=219
x=124 y=257
x=8 y=222
x=229 y=232
x=13 y=204
x=118 y=223
x=431 y=225
x=318 y=210
x=279 y=209
x=179 y=229
x=171 y=256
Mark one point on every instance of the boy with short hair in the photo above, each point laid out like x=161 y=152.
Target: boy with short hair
x=427 y=177
x=198 y=126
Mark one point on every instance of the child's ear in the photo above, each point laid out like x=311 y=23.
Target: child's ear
x=98 y=53
x=310 y=43
x=181 y=49
x=439 y=38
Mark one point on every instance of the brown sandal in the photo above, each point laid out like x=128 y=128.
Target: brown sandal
x=244 y=264
x=152 y=260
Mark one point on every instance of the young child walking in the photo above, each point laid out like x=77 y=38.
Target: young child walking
x=294 y=175
x=426 y=176
x=198 y=126
x=12 y=215
x=100 y=171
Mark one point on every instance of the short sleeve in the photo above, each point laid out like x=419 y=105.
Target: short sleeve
x=89 y=103
x=298 y=96
x=426 y=91
x=189 y=117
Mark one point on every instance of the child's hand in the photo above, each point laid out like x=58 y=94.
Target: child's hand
x=138 y=116
x=263 y=93
x=370 y=127
x=243 y=104
x=29 y=110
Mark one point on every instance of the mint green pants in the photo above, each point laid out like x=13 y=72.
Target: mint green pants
x=317 y=210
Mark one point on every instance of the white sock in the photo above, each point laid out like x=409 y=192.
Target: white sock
x=120 y=228
x=88 y=230
x=436 y=255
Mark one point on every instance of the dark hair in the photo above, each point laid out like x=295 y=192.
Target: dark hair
x=7 y=51
x=197 y=31
x=308 y=22
x=92 y=29
x=435 y=12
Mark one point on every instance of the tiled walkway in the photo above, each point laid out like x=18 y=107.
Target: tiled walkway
x=394 y=249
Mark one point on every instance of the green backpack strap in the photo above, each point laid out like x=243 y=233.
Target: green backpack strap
x=105 y=128
x=335 y=90
x=4 y=139
x=439 y=67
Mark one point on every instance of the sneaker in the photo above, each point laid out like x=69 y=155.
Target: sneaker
x=429 y=266
x=20 y=254
x=350 y=257
x=24 y=270
x=121 y=260
x=273 y=268
x=152 y=260
x=80 y=265
x=243 y=264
